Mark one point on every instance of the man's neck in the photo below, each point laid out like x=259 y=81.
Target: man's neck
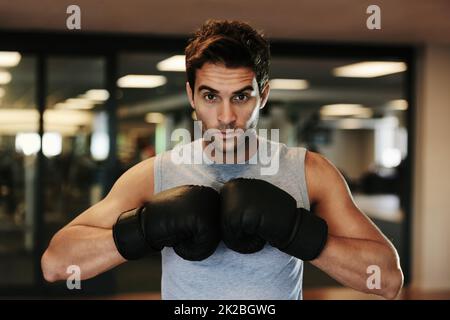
x=240 y=154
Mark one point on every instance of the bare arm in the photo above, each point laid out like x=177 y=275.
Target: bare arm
x=87 y=241
x=354 y=242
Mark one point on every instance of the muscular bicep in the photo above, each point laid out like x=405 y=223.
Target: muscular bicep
x=332 y=200
x=130 y=191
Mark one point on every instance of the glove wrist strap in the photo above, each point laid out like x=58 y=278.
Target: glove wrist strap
x=310 y=237
x=128 y=236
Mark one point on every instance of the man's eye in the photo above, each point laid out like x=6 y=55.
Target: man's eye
x=209 y=97
x=241 y=97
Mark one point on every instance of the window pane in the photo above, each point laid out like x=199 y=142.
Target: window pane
x=149 y=112
x=147 y=115
x=19 y=144
x=357 y=121
x=75 y=147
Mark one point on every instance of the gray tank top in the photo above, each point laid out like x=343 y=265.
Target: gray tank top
x=267 y=274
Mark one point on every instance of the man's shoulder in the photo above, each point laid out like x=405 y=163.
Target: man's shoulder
x=314 y=160
x=319 y=165
x=143 y=166
x=193 y=145
x=321 y=174
x=136 y=182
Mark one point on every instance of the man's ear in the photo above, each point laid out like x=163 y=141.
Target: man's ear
x=265 y=95
x=190 y=94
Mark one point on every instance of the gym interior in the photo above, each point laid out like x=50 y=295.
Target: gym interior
x=375 y=102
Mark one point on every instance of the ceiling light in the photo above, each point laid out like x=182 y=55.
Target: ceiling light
x=68 y=117
x=96 y=95
x=73 y=106
x=9 y=58
x=346 y=110
x=28 y=143
x=52 y=144
x=154 y=117
x=288 y=84
x=26 y=120
x=141 y=81
x=174 y=63
x=369 y=69
x=78 y=103
x=60 y=105
x=391 y=157
x=398 y=104
x=351 y=124
x=5 y=77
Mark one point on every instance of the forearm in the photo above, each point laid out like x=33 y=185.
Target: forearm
x=347 y=260
x=90 y=248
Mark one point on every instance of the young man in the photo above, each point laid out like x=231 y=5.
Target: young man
x=225 y=230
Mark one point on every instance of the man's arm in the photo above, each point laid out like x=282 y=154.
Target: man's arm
x=354 y=242
x=87 y=241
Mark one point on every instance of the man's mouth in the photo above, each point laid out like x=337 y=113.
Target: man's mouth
x=229 y=134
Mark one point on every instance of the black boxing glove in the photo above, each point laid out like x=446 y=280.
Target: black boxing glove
x=254 y=212
x=185 y=218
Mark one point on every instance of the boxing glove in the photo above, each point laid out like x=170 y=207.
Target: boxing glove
x=254 y=212
x=185 y=218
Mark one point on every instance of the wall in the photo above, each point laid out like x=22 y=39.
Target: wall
x=431 y=236
x=351 y=151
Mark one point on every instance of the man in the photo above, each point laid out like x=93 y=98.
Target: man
x=225 y=230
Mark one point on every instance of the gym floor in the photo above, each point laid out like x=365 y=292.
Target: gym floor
x=331 y=293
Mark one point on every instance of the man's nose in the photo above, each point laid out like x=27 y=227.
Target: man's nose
x=226 y=115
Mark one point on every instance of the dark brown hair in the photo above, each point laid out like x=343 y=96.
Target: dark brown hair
x=233 y=43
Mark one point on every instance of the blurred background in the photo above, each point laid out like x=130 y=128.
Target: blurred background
x=80 y=107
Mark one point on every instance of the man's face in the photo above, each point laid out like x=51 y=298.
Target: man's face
x=226 y=99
